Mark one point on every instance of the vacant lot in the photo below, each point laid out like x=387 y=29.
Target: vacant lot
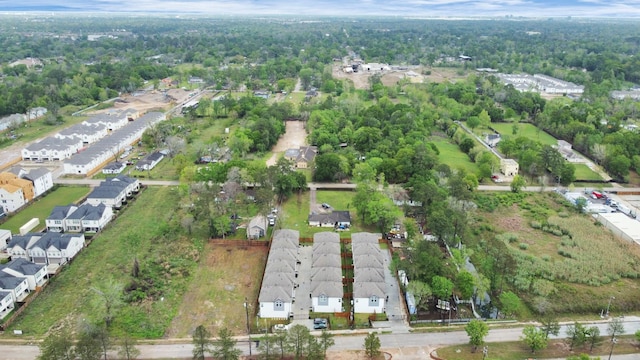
x=451 y=155
x=41 y=208
x=526 y=130
x=584 y=173
x=147 y=231
x=565 y=262
x=295 y=136
x=215 y=298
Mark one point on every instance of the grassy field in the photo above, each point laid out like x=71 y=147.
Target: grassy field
x=525 y=130
x=566 y=262
x=38 y=129
x=583 y=172
x=147 y=230
x=518 y=350
x=225 y=277
x=451 y=155
x=41 y=208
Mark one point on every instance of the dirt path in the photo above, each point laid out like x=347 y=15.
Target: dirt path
x=295 y=136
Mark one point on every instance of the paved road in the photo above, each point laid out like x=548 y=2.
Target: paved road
x=397 y=343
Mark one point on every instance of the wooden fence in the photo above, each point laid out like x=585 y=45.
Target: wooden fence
x=238 y=243
x=34 y=294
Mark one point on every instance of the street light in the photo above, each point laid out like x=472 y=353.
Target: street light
x=246 y=310
x=613 y=342
x=609 y=306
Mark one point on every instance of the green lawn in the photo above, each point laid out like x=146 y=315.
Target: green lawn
x=451 y=155
x=525 y=130
x=295 y=212
x=41 y=208
x=146 y=229
x=583 y=172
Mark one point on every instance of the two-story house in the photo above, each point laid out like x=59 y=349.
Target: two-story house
x=35 y=274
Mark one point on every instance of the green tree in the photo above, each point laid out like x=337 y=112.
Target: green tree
x=466 y=145
x=518 y=184
x=225 y=347
x=615 y=327
x=476 y=330
x=109 y=298
x=577 y=335
x=421 y=293
x=550 y=326
x=267 y=347
x=57 y=346
x=372 y=346
x=465 y=284
x=298 y=340
x=441 y=287
x=473 y=122
x=594 y=337
x=89 y=346
x=534 y=338
x=127 y=348
x=202 y=343
x=326 y=341
x=240 y=143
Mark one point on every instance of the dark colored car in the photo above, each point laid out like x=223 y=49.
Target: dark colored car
x=319 y=324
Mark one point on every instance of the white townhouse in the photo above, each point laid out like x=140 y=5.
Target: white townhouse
x=55 y=221
x=18 y=287
x=41 y=178
x=11 y=198
x=277 y=293
x=19 y=245
x=52 y=148
x=88 y=218
x=111 y=122
x=132 y=184
x=369 y=286
x=89 y=133
x=36 y=275
x=56 y=248
x=326 y=273
x=6 y=303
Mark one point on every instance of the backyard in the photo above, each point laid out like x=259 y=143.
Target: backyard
x=451 y=155
x=584 y=173
x=41 y=208
x=526 y=130
x=167 y=258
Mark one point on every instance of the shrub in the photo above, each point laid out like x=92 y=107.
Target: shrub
x=543 y=287
x=523 y=246
x=563 y=214
x=556 y=232
x=535 y=225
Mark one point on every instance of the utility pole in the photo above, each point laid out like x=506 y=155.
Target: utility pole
x=609 y=306
x=246 y=310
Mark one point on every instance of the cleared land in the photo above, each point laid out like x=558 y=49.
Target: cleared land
x=41 y=208
x=295 y=136
x=524 y=130
x=167 y=259
x=451 y=155
x=583 y=172
x=215 y=297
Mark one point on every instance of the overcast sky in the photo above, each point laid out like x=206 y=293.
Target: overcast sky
x=424 y=8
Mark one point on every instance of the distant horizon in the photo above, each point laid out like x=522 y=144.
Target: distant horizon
x=462 y=9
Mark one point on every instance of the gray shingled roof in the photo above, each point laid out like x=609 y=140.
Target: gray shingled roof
x=9 y=282
x=332 y=289
x=368 y=266
x=87 y=211
x=4 y=294
x=61 y=212
x=57 y=240
x=326 y=265
x=23 y=266
x=279 y=275
x=36 y=173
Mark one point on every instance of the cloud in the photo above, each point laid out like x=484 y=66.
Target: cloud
x=457 y=8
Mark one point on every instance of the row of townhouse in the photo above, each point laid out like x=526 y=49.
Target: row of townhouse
x=540 y=83
x=19 y=186
x=17 y=279
x=50 y=248
x=73 y=139
x=83 y=218
x=280 y=281
x=86 y=161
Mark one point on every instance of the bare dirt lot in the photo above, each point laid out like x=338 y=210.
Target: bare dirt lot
x=225 y=277
x=295 y=136
x=415 y=75
x=150 y=100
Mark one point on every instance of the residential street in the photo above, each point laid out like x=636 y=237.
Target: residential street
x=402 y=345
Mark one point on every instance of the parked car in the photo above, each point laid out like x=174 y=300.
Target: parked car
x=280 y=327
x=326 y=206
x=319 y=323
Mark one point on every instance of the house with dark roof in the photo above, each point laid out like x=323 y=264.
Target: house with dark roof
x=492 y=139
x=115 y=167
x=5 y=238
x=326 y=273
x=277 y=292
x=41 y=178
x=36 y=275
x=334 y=219
x=305 y=156
x=49 y=248
x=132 y=184
x=88 y=218
x=112 y=195
x=150 y=161
x=16 y=286
x=369 y=286
x=55 y=221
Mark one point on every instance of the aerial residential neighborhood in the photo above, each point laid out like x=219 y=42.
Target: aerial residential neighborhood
x=320 y=187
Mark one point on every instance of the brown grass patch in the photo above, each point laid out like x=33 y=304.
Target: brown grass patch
x=215 y=298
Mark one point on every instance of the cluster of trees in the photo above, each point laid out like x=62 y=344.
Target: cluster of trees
x=536 y=159
x=88 y=343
